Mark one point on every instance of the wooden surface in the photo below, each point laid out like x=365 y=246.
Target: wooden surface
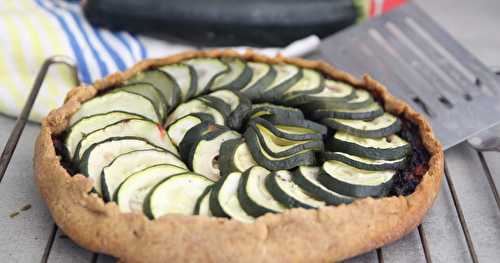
x=31 y=235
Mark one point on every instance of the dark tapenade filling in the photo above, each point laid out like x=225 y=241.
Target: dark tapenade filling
x=407 y=179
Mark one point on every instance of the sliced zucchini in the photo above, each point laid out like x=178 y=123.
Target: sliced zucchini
x=89 y=124
x=120 y=100
x=312 y=82
x=262 y=76
x=382 y=126
x=132 y=193
x=218 y=104
x=238 y=76
x=282 y=188
x=235 y=157
x=184 y=76
x=141 y=128
x=229 y=97
x=366 y=113
x=207 y=70
x=306 y=177
x=391 y=147
x=128 y=163
x=163 y=82
x=202 y=206
x=149 y=91
x=176 y=194
x=364 y=163
x=286 y=132
x=204 y=154
x=305 y=157
x=197 y=133
x=253 y=195
x=279 y=147
x=362 y=98
x=194 y=106
x=276 y=111
x=297 y=123
x=224 y=200
x=334 y=92
x=239 y=104
x=287 y=75
x=101 y=154
x=177 y=130
x=351 y=181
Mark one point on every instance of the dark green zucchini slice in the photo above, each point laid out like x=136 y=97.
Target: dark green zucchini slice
x=235 y=156
x=128 y=163
x=141 y=128
x=287 y=75
x=307 y=178
x=202 y=206
x=351 y=181
x=163 y=82
x=195 y=106
x=382 y=126
x=391 y=147
x=312 y=82
x=120 y=100
x=282 y=188
x=89 y=124
x=333 y=93
x=297 y=123
x=361 y=99
x=294 y=133
x=101 y=154
x=253 y=195
x=203 y=156
x=264 y=159
x=239 y=104
x=238 y=76
x=218 y=104
x=132 y=193
x=185 y=78
x=180 y=127
x=276 y=111
x=177 y=194
x=149 y=91
x=369 y=112
x=195 y=134
x=207 y=70
x=224 y=199
x=279 y=147
x=262 y=76
x=364 y=163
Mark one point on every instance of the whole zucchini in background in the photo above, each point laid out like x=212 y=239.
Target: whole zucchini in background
x=227 y=22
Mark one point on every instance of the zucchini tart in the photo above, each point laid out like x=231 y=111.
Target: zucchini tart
x=217 y=156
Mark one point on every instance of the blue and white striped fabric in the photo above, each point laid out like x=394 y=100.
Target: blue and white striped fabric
x=32 y=30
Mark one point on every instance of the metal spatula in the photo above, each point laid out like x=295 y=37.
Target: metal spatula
x=422 y=64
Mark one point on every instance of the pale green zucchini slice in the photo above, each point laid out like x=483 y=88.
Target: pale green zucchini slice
x=128 y=163
x=176 y=194
x=132 y=193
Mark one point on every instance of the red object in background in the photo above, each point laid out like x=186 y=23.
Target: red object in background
x=378 y=7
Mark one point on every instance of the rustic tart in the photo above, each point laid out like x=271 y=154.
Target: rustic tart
x=217 y=156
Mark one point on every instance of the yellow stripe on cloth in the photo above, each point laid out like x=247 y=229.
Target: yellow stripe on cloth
x=29 y=36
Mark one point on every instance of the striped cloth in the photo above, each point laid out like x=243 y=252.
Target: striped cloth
x=33 y=30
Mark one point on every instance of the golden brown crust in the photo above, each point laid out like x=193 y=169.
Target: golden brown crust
x=297 y=235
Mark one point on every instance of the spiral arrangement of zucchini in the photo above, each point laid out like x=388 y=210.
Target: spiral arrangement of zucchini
x=231 y=138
